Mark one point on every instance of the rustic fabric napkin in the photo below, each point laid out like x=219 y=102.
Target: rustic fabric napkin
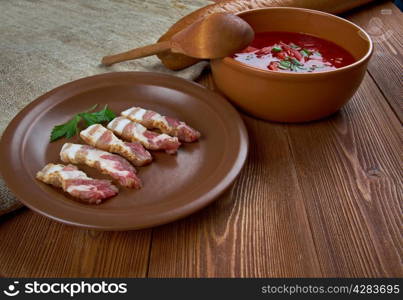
x=47 y=43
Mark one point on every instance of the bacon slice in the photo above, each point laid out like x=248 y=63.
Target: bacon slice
x=111 y=164
x=77 y=183
x=133 y=132
x=102 y=138
x=153 y=120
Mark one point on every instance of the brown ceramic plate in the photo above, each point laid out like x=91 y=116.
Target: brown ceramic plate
x=174 y=186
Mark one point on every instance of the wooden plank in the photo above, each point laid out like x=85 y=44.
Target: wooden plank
x=32 y=245
x=349 y=169
x=384 y=22
x=257 y=228
x=318 y=199
x=348 y=178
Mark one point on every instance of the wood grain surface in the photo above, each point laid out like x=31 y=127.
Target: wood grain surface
x=316 y=199
x=384 y=22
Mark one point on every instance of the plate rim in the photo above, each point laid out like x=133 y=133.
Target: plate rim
x=189 y=208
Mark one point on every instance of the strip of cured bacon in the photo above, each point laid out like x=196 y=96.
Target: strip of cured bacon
x=77 y=183
x=136 y=132
x=111 y=164
x=153 y=120
x=102 y=138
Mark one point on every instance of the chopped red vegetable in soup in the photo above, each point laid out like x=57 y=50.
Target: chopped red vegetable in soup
x=293 y=52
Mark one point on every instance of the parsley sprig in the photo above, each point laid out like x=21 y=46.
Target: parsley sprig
x=70 y=128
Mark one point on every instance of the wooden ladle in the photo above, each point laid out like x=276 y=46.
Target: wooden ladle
x=215 y=36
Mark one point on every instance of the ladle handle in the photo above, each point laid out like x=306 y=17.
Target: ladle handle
x=137 y=53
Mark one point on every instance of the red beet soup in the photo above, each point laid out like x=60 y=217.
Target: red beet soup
x=293 y=52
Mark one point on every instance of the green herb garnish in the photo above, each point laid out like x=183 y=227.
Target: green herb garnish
x=296 y=62
x=292 y=45
x=67 y=130
x=276 y=49
x=101 y=116
x=70 y=128
x=284 y=64
x=305 y=52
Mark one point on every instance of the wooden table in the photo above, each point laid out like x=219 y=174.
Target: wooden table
x=316 y=199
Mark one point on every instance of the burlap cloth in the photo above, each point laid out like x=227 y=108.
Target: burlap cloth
x=46 y=43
